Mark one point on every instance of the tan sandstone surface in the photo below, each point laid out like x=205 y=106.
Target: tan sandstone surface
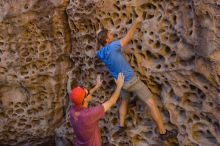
x=46 y=48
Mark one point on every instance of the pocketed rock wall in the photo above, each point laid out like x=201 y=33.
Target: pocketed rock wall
x=47 y=48
x=34 y=50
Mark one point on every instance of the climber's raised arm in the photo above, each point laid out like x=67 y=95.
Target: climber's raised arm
x=125 y=40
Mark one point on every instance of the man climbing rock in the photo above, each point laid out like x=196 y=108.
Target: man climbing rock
x=111 y=53
x=84 y=120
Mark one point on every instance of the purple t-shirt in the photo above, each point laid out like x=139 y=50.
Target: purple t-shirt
x=85 y=123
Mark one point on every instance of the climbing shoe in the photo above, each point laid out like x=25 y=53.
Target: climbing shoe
x=168 y=135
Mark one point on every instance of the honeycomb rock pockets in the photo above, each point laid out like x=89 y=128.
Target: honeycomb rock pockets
x=47 y=46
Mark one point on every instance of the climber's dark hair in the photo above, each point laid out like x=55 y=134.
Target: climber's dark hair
x=102 y=36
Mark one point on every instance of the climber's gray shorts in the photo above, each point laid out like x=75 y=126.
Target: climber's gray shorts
x=135 y=85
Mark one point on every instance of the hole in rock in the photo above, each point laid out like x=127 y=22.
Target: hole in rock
x=139 y=47
x=124 y=7
x=184 y=86
x=148 y=6
x=157 y=45
x=195 y=117
x=26 y=6
x=158 y=66
x=150 y=41
x=19 y=111
x=161 y=30
x=210 y=104
x=217 y=127
x=149 y=16
x=192 y=87
x=118 y=8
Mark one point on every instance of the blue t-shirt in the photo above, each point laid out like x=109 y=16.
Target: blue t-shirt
x=113 y=58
